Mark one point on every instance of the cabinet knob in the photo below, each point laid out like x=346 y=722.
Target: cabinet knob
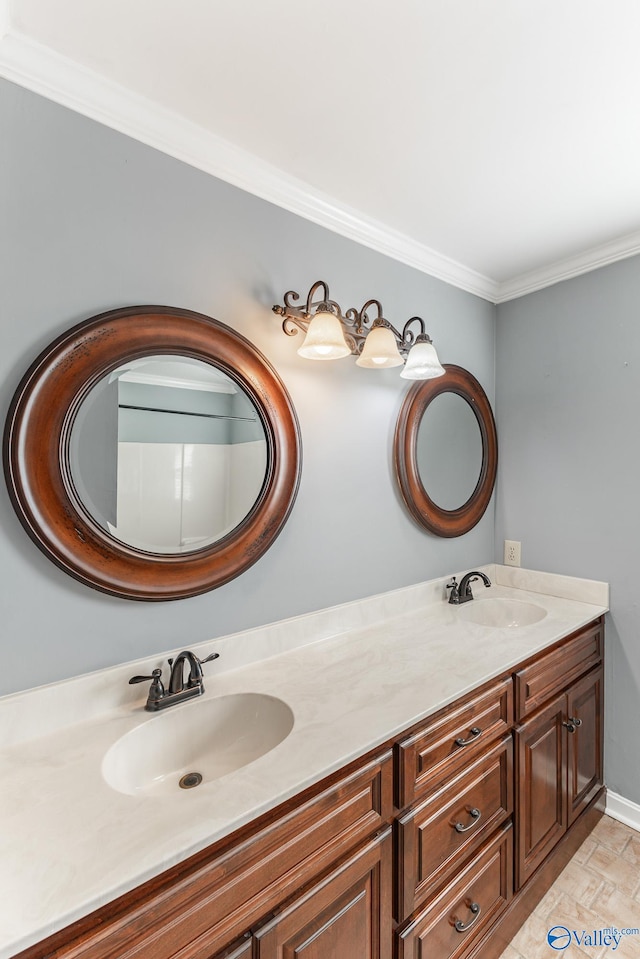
x=570 y=726
x=460 y=926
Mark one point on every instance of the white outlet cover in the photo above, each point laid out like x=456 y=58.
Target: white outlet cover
x=512 y=550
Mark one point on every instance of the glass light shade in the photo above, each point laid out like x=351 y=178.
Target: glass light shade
x=380 y=350
x=325 y=339
x=422 y=363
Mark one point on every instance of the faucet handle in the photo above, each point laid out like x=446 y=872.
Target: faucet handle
x=455 y=592
x=209 y=658
x=155 y=675
x=157 y=687
x=197 y=659
x=196 y=675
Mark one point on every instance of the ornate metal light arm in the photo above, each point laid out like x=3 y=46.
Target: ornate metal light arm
x=361 y=325
x=297 y=318
x=356 y=324
x=408 y=338
x=405 y=339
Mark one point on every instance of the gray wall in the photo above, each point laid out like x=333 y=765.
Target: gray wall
x=91 y=220
x=568 y=397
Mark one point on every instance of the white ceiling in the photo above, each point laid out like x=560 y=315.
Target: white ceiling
x=495 y=143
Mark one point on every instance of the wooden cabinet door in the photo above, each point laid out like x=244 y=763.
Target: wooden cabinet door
x=240 y=950
x=541 y=782
x=346 y=915
x=585 y=742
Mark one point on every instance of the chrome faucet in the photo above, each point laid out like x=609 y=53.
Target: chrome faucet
x=461 y=592
x=177 y=692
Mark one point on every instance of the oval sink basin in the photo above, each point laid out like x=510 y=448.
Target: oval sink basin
x=196 y=742
x=502 y=613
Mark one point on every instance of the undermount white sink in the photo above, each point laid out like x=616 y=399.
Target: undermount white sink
x=209 y=738
x=501 y=613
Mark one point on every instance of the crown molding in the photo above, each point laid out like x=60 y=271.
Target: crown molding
x=598 y=256
x=40 y=69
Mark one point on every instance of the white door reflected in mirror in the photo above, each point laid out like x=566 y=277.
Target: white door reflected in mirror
x=168 y=454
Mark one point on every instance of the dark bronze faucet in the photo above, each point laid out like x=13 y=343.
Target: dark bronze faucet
x=461 y=592
x=177 y=692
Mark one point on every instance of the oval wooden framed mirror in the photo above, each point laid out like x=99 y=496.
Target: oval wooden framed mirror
x=103 y=385
x=446 y=452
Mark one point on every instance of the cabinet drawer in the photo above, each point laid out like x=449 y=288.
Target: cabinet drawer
x=435 y=836
x=448 y=741
x=553 y=671
x=209 y=901
x=454 y=920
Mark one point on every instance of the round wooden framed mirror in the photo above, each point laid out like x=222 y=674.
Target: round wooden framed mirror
x=152 y=453
x=446 y=452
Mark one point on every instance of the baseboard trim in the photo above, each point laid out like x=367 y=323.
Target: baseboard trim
x=623 y=810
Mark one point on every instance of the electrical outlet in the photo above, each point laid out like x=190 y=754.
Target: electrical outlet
x=511 y=552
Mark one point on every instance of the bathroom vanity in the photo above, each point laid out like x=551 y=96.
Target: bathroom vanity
x=436 y=838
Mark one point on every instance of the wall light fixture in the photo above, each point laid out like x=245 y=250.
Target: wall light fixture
x=377 y=344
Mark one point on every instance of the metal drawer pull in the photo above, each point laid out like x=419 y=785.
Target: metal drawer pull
x=572 y=724
x=475 y=732
x=475 y=819
x=460 y=926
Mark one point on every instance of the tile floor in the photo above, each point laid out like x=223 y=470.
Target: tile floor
x=599 y=888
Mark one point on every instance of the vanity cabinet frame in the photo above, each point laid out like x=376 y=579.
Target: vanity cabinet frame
x=347 y=864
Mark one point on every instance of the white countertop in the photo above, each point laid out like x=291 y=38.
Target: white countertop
x=69 y=843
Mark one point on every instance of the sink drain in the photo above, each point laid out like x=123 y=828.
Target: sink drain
x=189 y=780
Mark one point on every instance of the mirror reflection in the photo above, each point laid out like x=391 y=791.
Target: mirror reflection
x=168 y=454
x=449 y=451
